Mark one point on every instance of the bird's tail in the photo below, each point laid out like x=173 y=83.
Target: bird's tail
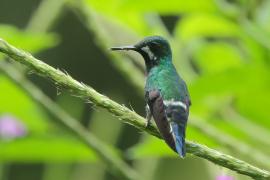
x=178 y=131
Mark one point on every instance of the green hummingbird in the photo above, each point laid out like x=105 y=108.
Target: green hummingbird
x=166 y=94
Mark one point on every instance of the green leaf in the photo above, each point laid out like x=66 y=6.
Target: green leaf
x=16 y=102
x=164 y=7
x=233 y=81
x=255 y=105
x=205 y=25
x=29 y=41
x=217 y=57
x=134 y=15
x=52 y=148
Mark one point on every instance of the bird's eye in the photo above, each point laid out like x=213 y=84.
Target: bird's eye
x=155 y=45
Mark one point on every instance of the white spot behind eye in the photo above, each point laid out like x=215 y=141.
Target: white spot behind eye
x=149 y=52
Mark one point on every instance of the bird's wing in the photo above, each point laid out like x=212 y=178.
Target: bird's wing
x=170 y=118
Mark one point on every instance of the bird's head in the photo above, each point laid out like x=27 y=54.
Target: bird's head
x=154 y=50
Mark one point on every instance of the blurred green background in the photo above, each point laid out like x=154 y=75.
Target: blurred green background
x=220 y=47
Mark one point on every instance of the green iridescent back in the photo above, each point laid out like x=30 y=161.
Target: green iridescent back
x=165 y=78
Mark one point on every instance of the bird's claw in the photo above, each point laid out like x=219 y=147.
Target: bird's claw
x=148 y=116
x=147 y=124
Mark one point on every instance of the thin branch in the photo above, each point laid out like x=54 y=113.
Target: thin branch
x=106 y=153
x=122 y=113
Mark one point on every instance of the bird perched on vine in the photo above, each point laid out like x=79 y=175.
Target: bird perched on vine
x=166 y=94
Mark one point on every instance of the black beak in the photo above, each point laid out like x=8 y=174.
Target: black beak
x=121 y=48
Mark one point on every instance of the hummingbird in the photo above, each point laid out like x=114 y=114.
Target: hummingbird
x=166 y=93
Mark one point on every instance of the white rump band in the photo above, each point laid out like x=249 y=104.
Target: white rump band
x=176 y=103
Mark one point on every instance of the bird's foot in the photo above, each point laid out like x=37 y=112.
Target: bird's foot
x=148 y=116
x=147 y=124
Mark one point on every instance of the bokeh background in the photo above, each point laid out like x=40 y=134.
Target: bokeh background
x=220 y=47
